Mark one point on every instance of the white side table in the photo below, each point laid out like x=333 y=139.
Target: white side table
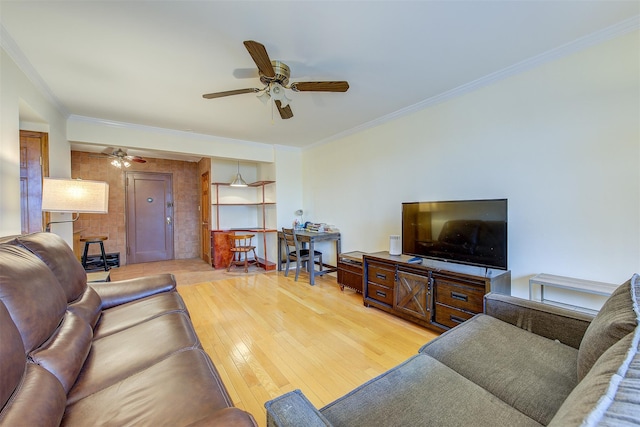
x=98 y=276
x=576 y=285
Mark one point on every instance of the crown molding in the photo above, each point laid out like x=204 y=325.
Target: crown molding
x=608 y=33
x=12 y=49
x=165 y=131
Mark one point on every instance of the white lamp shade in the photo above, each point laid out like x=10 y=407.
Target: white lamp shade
x=75 y=195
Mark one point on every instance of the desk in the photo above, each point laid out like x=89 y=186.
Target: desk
x=310 y=238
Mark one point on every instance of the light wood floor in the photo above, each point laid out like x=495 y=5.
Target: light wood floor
x=268 y=334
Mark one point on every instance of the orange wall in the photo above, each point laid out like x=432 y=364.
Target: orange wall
x=186 y=194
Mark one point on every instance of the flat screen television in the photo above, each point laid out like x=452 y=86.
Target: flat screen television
x=466 y=231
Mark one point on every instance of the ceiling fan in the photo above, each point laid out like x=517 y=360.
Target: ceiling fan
x=120 y=158
x=275 y=77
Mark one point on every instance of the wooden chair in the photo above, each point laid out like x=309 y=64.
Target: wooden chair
x=240 y=248
x=296 y=253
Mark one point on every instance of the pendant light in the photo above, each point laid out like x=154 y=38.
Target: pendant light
x=238 y=181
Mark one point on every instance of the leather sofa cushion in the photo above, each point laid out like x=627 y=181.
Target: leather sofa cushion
x=189 y=382
x=120 y=355
x=56 y=253
x=12 y=357
x=531 y=373
x=34 y=298
x=616 y=319
x=65 y=352
x=39 y=400
x=130 y=314
x=87 y=307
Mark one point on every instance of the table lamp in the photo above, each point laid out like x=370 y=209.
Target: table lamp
x=75 y=196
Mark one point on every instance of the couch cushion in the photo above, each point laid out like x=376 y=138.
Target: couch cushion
x=33 y=297
x=595 y=393
x=531 y=373
x=56 y=253
x=12 y=357
x=65 y=352
x=87 y=307
x=130 y=314
x=615 y=320
x=39 y=400
x=120 y=355
x=419 y=392
x=186 y=380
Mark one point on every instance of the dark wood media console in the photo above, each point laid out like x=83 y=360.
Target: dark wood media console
x=434 y=294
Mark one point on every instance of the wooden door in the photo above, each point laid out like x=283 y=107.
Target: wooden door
x=149 y=217
x=413 y=295
x=34 y=164
x=205 y=203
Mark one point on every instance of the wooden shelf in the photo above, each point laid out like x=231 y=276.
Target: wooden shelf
x=245 y=204
x=257 y=203
x=253 y=184
x=267 y=265
x=249 y=230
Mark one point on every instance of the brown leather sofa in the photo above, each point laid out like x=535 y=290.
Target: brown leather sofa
x=109 y=354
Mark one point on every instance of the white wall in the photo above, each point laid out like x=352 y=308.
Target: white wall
x=560 y=141
x=288 y=184
x=20 y=93
x=109 y=133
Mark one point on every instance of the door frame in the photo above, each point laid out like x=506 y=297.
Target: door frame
x=205 y=217
x=170 y=201
x=44 y=165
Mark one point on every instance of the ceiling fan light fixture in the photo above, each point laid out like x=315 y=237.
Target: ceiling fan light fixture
x=264 y=96
x=120 y=163
x=238 y=181
x=278 y=94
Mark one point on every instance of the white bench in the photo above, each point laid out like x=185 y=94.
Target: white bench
x=576 y=285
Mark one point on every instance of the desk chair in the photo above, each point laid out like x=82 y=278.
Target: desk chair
x=240 y=248
x=296 y=253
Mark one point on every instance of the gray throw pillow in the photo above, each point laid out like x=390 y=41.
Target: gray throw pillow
x=616 y=319
x=584 y=399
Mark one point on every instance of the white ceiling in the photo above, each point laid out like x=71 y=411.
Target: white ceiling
x=149 y=62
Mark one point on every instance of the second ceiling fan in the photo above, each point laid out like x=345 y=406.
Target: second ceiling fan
x=275 y=77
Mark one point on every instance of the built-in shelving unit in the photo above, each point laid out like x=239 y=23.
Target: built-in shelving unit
x=249 y=209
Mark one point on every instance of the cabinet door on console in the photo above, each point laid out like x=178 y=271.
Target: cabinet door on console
x=413 y=295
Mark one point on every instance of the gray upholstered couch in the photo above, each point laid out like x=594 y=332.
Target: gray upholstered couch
x=521 y=363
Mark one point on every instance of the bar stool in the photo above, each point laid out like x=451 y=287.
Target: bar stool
x=94 y=239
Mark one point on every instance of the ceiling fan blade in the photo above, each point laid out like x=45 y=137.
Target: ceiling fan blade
x=136 y=159
x=320 y=86
x=229 y=93
x=285 y=112
x=260 y=56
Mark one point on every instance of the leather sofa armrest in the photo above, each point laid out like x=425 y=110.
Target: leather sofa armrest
x=293 y=409
x=124 y=291
x=549 y=321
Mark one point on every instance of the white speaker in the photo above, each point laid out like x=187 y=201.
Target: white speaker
x=395 y=248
